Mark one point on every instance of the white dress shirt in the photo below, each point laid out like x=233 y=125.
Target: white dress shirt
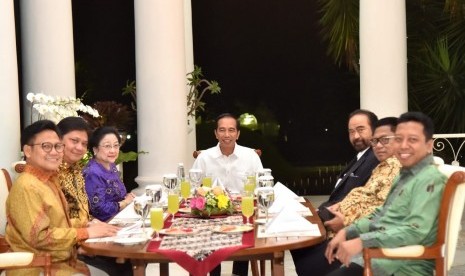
x=229 y=170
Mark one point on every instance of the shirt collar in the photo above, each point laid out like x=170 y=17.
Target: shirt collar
x=218 y=152
x=428 y=160
x=42 y=175
x=361 y=153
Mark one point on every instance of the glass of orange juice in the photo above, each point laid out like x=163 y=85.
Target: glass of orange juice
x=156 y=221
x=247 y=206
x=173 y=203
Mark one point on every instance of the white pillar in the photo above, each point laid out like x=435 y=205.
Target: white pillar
x=47 y=49
x=189 y=50
x=9 y=106
x=383 y=57
x=161 y=88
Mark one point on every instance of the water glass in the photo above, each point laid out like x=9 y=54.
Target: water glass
x=195 y=175
x=265 y=181
x=265 y=197
x=170 y=181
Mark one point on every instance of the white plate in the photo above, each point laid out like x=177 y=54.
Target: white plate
x=232 y=229
x=185 y=210
x=260 y=221
x=175 y=231
x=130 y=241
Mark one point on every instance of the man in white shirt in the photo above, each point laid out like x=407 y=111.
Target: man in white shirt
x=228 y=162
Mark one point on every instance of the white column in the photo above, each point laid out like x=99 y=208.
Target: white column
x=383 y=57
x=189 y=50
x=47 y=49
x=9 y=105
x=161 y=88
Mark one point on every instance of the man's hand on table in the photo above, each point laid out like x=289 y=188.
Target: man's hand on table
x=100 y=229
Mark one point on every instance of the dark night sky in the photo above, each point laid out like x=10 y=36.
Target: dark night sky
x=265 y=53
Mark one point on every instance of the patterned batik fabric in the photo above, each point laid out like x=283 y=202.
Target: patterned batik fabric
x=362 y=201
x=38 y=222
x=204 y=243
x=73 y=187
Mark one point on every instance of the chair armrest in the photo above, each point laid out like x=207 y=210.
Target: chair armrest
x=11 y=259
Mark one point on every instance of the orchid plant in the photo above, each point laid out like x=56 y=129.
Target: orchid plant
x=57 y=108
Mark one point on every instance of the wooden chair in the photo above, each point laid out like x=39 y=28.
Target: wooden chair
x=450 y=215
x=197 y=152
x=14 y=260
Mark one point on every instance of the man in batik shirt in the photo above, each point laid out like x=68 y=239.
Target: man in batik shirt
x=360 y=201
x=36 y=207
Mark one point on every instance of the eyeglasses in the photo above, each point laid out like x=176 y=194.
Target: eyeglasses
x=383 y=140
x=109 y=147
x=47 y=146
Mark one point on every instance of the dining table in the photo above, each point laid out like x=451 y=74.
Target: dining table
x=263 y=248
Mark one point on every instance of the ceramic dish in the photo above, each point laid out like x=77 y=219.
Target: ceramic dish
x=130 y=241
x=181 y=231
x=232 y=228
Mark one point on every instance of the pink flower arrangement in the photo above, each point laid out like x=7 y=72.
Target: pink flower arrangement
x=208 y=201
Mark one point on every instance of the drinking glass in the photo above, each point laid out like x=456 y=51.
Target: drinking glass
x=195 y=175
x=157 y=192
x=265 y=197
x=250 y=183
x=156 y=221
x=207 y=180
x=265 y=181
x=185 y=189
x=264 y=172
x=142 y=208
x=173 y=203
x=170 y=181
x=247 y=206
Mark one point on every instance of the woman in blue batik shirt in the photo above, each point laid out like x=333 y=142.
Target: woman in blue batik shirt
x=105 y=190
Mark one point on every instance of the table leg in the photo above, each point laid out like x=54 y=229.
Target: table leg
x=164 y=269
x=277 y=264
x=138 y=267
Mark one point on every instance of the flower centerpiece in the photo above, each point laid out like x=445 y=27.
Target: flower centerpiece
x=211 y=201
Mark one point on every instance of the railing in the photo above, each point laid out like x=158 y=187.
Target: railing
x=448 y=147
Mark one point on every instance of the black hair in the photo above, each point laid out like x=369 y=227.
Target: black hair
x=372 y=118
x=69 y=124
x=30 y=132
x=98 y=135
x=228 y=115
x=419 y=117
x=387 y=121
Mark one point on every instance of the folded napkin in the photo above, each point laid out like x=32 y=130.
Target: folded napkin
x=290 y=204
x=280 y=190
x=288 y=221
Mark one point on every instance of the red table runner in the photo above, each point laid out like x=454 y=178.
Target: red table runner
x=200 y=253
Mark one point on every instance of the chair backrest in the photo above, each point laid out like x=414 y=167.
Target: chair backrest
x=450 y=214
x=197 y=152
x=5 y=186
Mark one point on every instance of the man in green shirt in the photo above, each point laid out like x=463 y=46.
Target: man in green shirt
x=409 y=215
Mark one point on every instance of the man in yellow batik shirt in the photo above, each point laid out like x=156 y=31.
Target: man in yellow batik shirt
x=36 y=208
